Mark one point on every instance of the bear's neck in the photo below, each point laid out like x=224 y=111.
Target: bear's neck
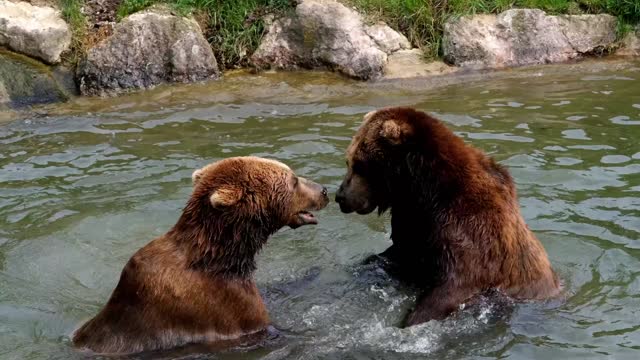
x=220 y=245
x=423 y=185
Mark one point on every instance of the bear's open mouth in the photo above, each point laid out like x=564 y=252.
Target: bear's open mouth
x=307 y=217
x=302 y=218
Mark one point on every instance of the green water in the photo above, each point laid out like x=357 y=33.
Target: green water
x=84 y=187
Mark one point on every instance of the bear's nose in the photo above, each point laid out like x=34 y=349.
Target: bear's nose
x=324 y=191
x=340 y=195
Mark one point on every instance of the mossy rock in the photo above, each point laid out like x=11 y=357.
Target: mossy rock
x=24 y=82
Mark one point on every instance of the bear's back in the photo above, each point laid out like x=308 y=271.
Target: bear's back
x=161 y=301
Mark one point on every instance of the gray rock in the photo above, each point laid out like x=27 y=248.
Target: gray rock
x=387 y=39
x=146 y=49
x=631 y=43
x=33 y=30
x=524 y=37
x=24 y=82
x=282 y=47
x=588 y=33
x=325 y=33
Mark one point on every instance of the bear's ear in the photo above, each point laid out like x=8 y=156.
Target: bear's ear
x=226 y=195
x=368 y=116
x=195 y=177
x=394 y=131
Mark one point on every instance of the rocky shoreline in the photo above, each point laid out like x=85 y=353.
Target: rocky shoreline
x=157 y=46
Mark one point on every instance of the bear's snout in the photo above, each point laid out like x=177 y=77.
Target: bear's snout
x=317 y=193
x=340 y=197
x=323 y=198
x=310 y=196
x=354 y=195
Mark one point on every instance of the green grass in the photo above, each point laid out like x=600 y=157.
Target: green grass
x=129 y=7
x=234 y=28
x=72 y=13
x=422 y=21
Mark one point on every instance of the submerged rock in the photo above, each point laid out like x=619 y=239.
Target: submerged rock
x=33 y=30
x=405 y=64
x=146 y=49
x=24 y=82
x=631 y=43
x=524 y=37
x=325 y=33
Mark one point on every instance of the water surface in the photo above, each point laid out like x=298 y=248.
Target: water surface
x=82 y=188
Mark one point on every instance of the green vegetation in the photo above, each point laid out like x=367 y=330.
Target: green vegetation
x=72 y=14
x=129 y=7
x=422 y=21
x=234 y=28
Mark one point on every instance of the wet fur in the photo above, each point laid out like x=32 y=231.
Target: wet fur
x=194 y=284
x=457 y=230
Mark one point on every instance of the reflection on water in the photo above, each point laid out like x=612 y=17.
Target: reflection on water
x=84 y=187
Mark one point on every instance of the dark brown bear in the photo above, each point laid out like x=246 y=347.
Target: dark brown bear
x=456 y=225
x=194 y=284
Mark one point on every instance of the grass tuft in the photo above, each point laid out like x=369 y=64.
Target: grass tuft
x=128 y=7
x=72 y=13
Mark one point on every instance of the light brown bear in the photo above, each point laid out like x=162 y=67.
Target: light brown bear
x=456 y=225
x=194 y=284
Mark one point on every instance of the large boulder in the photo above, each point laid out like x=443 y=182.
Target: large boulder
x=146 y=49
x=524 y=37
x=631 y=43
x=325 y=33
x=33 y=30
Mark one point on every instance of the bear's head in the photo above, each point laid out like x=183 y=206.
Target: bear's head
x=376 y=151
x=236 y=204
x=263 y=191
